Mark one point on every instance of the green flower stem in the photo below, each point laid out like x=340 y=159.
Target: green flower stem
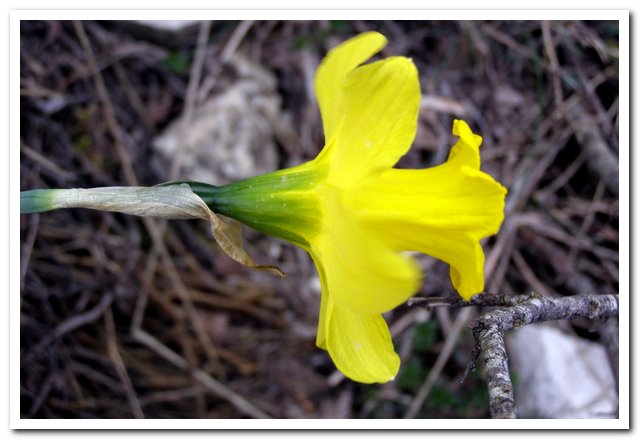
x=282 y=204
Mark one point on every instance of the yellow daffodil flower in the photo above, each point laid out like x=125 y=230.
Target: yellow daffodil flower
x=354 y=213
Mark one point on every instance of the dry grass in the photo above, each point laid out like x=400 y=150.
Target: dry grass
x=128 y=318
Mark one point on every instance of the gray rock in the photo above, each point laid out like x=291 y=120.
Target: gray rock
x=560 y=376
x=231 y=135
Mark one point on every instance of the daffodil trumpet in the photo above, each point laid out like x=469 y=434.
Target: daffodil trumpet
x=356 y=214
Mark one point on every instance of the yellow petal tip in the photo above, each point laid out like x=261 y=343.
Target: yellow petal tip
x=459 y=125
x=370 y=38
x=463 y=131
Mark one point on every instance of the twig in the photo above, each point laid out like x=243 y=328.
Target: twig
x=45 y=163
x=485 y=299
x=529 y=275
x=171 y=395
x=439 y=365
x=195 y=74
x=563 y=178
x=109 y=112
x=576 y=281
x=53 y=380
x=71 y=324
x=226 y=54
x=561 y=112
x=553 y=59
x=27 y=250
x=134 y=98
x=587 y=221
x=196 y=321
x=219 y=389
x=601 y=159
x=121 y=370
x=234 y=41
x=609 y=337
x=532 y=169
x=525 y=51
x=489 y=329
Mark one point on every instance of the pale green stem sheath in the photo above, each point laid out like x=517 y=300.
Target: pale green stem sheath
x=169 y=202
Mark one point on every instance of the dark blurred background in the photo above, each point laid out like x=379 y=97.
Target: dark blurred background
x=123 y=317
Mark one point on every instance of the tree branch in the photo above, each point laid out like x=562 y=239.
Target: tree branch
x=489 y=329
x=485 y=300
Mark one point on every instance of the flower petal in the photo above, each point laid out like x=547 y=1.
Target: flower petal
x=467 y=150
x=333 y=70
x=381 y=102
x=360 y=345
x=442 y=211
x=362 y=273
x=323 y=321
x=462 y=252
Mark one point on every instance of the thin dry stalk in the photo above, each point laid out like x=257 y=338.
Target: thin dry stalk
x=121 y=370
x=219 y=389
x=553 y=60
x=436 y=370
x=109 y=112
x=69 y=325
